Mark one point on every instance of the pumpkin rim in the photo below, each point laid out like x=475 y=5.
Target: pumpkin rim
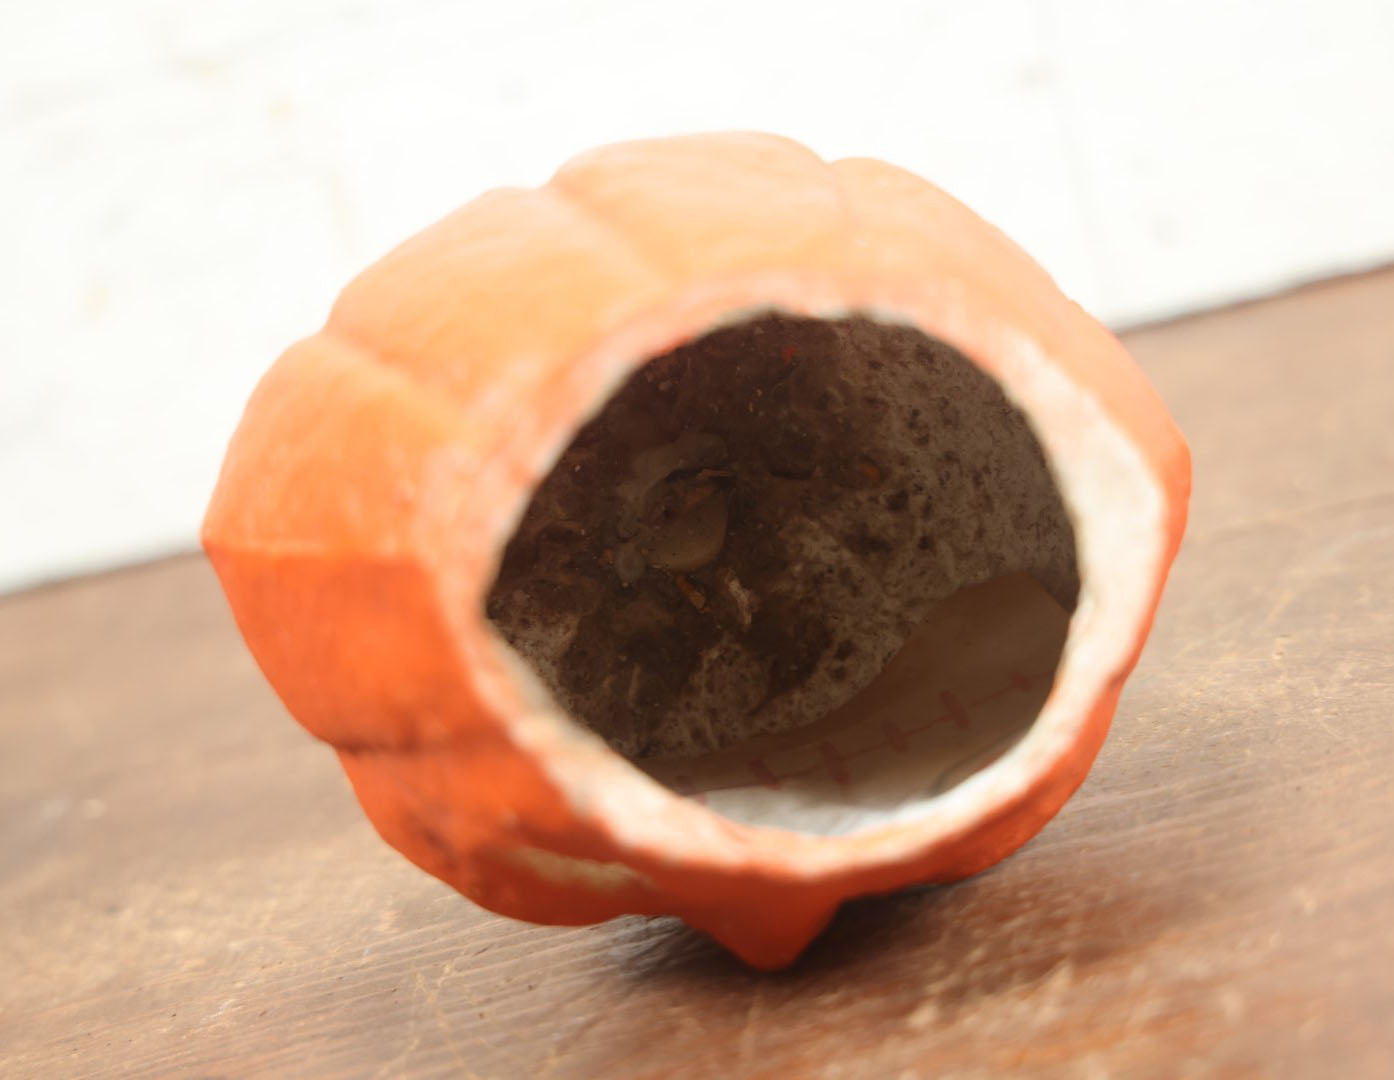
x=644 y=819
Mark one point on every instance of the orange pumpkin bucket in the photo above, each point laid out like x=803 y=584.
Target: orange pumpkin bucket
x=714 y=531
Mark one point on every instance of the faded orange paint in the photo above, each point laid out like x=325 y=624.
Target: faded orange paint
x=375 y=475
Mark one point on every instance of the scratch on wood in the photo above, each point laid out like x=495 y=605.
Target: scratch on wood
x=1279 y=606
x=751 y=1026
x=924 y=1014
x=433 y=1000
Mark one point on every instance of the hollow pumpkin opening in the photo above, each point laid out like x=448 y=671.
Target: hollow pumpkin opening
x=806 y=570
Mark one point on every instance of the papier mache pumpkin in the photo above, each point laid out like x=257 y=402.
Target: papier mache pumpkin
x=714 y=531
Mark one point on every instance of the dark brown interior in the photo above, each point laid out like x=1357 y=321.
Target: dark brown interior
x=752 y=527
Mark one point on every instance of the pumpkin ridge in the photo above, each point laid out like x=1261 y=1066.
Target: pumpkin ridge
x=373 y=354
x=694 y=233
x=564 y=193
x=255 y=508
x=852 y=221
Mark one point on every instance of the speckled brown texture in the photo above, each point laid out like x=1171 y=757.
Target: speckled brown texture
x=753 y=525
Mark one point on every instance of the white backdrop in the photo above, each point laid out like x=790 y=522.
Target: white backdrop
x=186 y=185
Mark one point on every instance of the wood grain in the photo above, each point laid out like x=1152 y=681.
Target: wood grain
x=187 y=887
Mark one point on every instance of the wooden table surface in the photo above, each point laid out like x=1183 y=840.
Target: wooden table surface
x=187 y=886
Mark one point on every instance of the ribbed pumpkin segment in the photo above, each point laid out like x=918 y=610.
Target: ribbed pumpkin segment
x=329 y=457
x=496 y=297
x=714 y=204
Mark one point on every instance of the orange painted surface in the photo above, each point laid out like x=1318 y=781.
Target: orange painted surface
x=380 y=463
